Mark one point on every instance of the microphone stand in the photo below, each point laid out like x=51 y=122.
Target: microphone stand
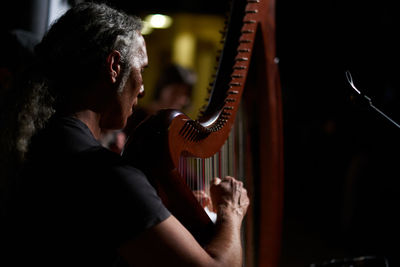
x=350 y=80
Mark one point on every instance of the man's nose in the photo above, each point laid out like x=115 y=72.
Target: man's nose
x=141 y=92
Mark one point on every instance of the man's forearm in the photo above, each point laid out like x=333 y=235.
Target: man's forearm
x=226 y=248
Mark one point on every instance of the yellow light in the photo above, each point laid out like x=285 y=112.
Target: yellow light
x=147 y=29
x=159 y=21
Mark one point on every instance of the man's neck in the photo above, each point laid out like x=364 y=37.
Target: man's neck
x=91 y=119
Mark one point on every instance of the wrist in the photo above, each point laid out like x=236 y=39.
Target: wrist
x=229 y=215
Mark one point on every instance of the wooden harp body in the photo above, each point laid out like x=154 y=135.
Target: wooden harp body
x=247 y=74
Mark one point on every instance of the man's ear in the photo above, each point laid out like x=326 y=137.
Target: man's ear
x=113 y=65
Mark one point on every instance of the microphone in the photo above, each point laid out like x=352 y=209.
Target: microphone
x=368 y=99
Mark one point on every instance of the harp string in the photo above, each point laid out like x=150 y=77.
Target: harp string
x=228 y=161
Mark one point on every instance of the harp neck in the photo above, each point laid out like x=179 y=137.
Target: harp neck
x=216 y=121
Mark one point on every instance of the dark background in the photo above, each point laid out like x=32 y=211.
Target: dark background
x=341 y=179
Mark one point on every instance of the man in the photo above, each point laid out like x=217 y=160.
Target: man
x=79 y=204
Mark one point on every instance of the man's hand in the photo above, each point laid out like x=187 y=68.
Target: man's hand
x=229 y=197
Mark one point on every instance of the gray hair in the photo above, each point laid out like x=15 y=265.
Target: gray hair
x=75 y=48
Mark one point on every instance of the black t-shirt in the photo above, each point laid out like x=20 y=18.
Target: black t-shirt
x=77 y=202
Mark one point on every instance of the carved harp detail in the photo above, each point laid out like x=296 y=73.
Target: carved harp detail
x=247 y=75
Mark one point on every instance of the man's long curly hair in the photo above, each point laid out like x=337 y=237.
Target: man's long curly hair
x=70 y=56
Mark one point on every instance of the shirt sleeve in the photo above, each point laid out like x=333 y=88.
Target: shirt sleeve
x=136 y=205
x=125 y=203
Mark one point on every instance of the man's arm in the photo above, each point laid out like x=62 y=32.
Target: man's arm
x=170 y=243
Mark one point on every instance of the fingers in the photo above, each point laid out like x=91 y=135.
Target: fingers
x=244 y=200
x=216 y=181
x=229 y=192
x=232 y=185
x=229 y=179
x=229 y=182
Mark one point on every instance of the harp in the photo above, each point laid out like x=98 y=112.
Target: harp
x=170 y=147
